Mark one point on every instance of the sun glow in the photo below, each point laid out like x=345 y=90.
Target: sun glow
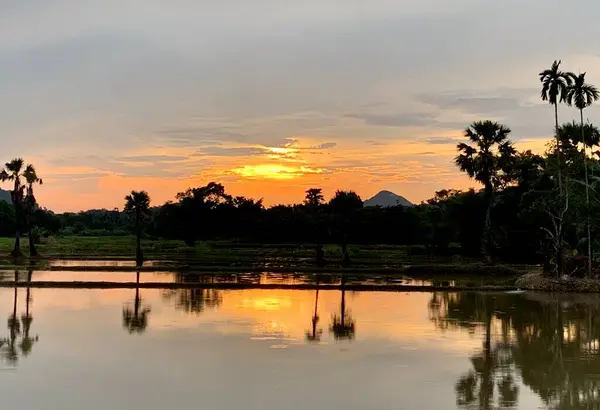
x=274 y=171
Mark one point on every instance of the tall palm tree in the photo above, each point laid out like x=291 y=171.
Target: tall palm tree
x=582 y=95
x=555 y=84
x=30 y=204
x=138 y=204
x=12 y=172
x=487 y=158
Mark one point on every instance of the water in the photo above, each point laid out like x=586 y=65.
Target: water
x=253 y=278
x=257 y=349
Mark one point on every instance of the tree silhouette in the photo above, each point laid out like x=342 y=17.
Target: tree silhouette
x=138 y=205
x=314 y=198
x=136 y=320
x=488 y=159
x=12 y=172
x=30 y=205
x=582 y=95
x=345 y=205
x=555 y=84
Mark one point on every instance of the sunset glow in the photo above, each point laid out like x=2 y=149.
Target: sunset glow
x=269 y=116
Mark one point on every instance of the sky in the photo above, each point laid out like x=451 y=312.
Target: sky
x=272 y=97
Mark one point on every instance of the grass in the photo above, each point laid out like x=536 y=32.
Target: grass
x=232 y=257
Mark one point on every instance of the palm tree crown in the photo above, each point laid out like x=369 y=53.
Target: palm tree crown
x=488 y=155
x=570 y=135
x=555 y=84
x=137 y=201
x=580 y=94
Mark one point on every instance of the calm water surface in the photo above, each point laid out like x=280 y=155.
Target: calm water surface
x=261 y=349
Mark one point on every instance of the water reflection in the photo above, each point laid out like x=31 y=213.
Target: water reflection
x=342 y=325
x=19 y=340
x=440 y=350
x=550 y=343
x=194 y=300
x=314 y=335
x=135 y=319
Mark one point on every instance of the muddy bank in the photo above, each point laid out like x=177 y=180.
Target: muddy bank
x=541 y=283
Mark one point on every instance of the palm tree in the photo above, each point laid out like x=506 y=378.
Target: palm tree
x=12 y=172
x=30 y=203
x=314 y=198
x=313 y=201
x=582 y=95
x=555 y=84
x=136 y=320
x=487 y=159
x=138 y=204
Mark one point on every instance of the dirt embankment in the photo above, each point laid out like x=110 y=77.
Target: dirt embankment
x=538 y=282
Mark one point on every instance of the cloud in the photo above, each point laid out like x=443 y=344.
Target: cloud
x=326 y=145
x=440 y=140
x=273 y=171
x=152 y=158
x=473 y=104
x=230 y=152
x=409 y=119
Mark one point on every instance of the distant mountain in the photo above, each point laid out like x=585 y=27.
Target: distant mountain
x=386 y=199
x=5 y=196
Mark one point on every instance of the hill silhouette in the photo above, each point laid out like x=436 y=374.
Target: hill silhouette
x=5 y=196
x=387 y=199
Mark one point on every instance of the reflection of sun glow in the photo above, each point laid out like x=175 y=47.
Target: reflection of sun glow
x=268 y=303
x=273 y=171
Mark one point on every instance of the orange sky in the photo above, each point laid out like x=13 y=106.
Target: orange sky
x=273 y=100
x=277 y=174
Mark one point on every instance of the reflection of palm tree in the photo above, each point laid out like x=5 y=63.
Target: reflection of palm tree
x=490 y=367
x=342 y=326
x=315 y=335
x=136 y=320
x=14 y=327
x=27 y=341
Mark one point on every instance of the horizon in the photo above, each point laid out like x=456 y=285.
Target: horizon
x=272 y=99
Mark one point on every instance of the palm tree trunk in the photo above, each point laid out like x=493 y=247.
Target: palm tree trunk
x=558 y=151
x=343 y=304
x=587 y=198
x=17 y=248
x=486 y=242
x=138 y=245
x=32 y=249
